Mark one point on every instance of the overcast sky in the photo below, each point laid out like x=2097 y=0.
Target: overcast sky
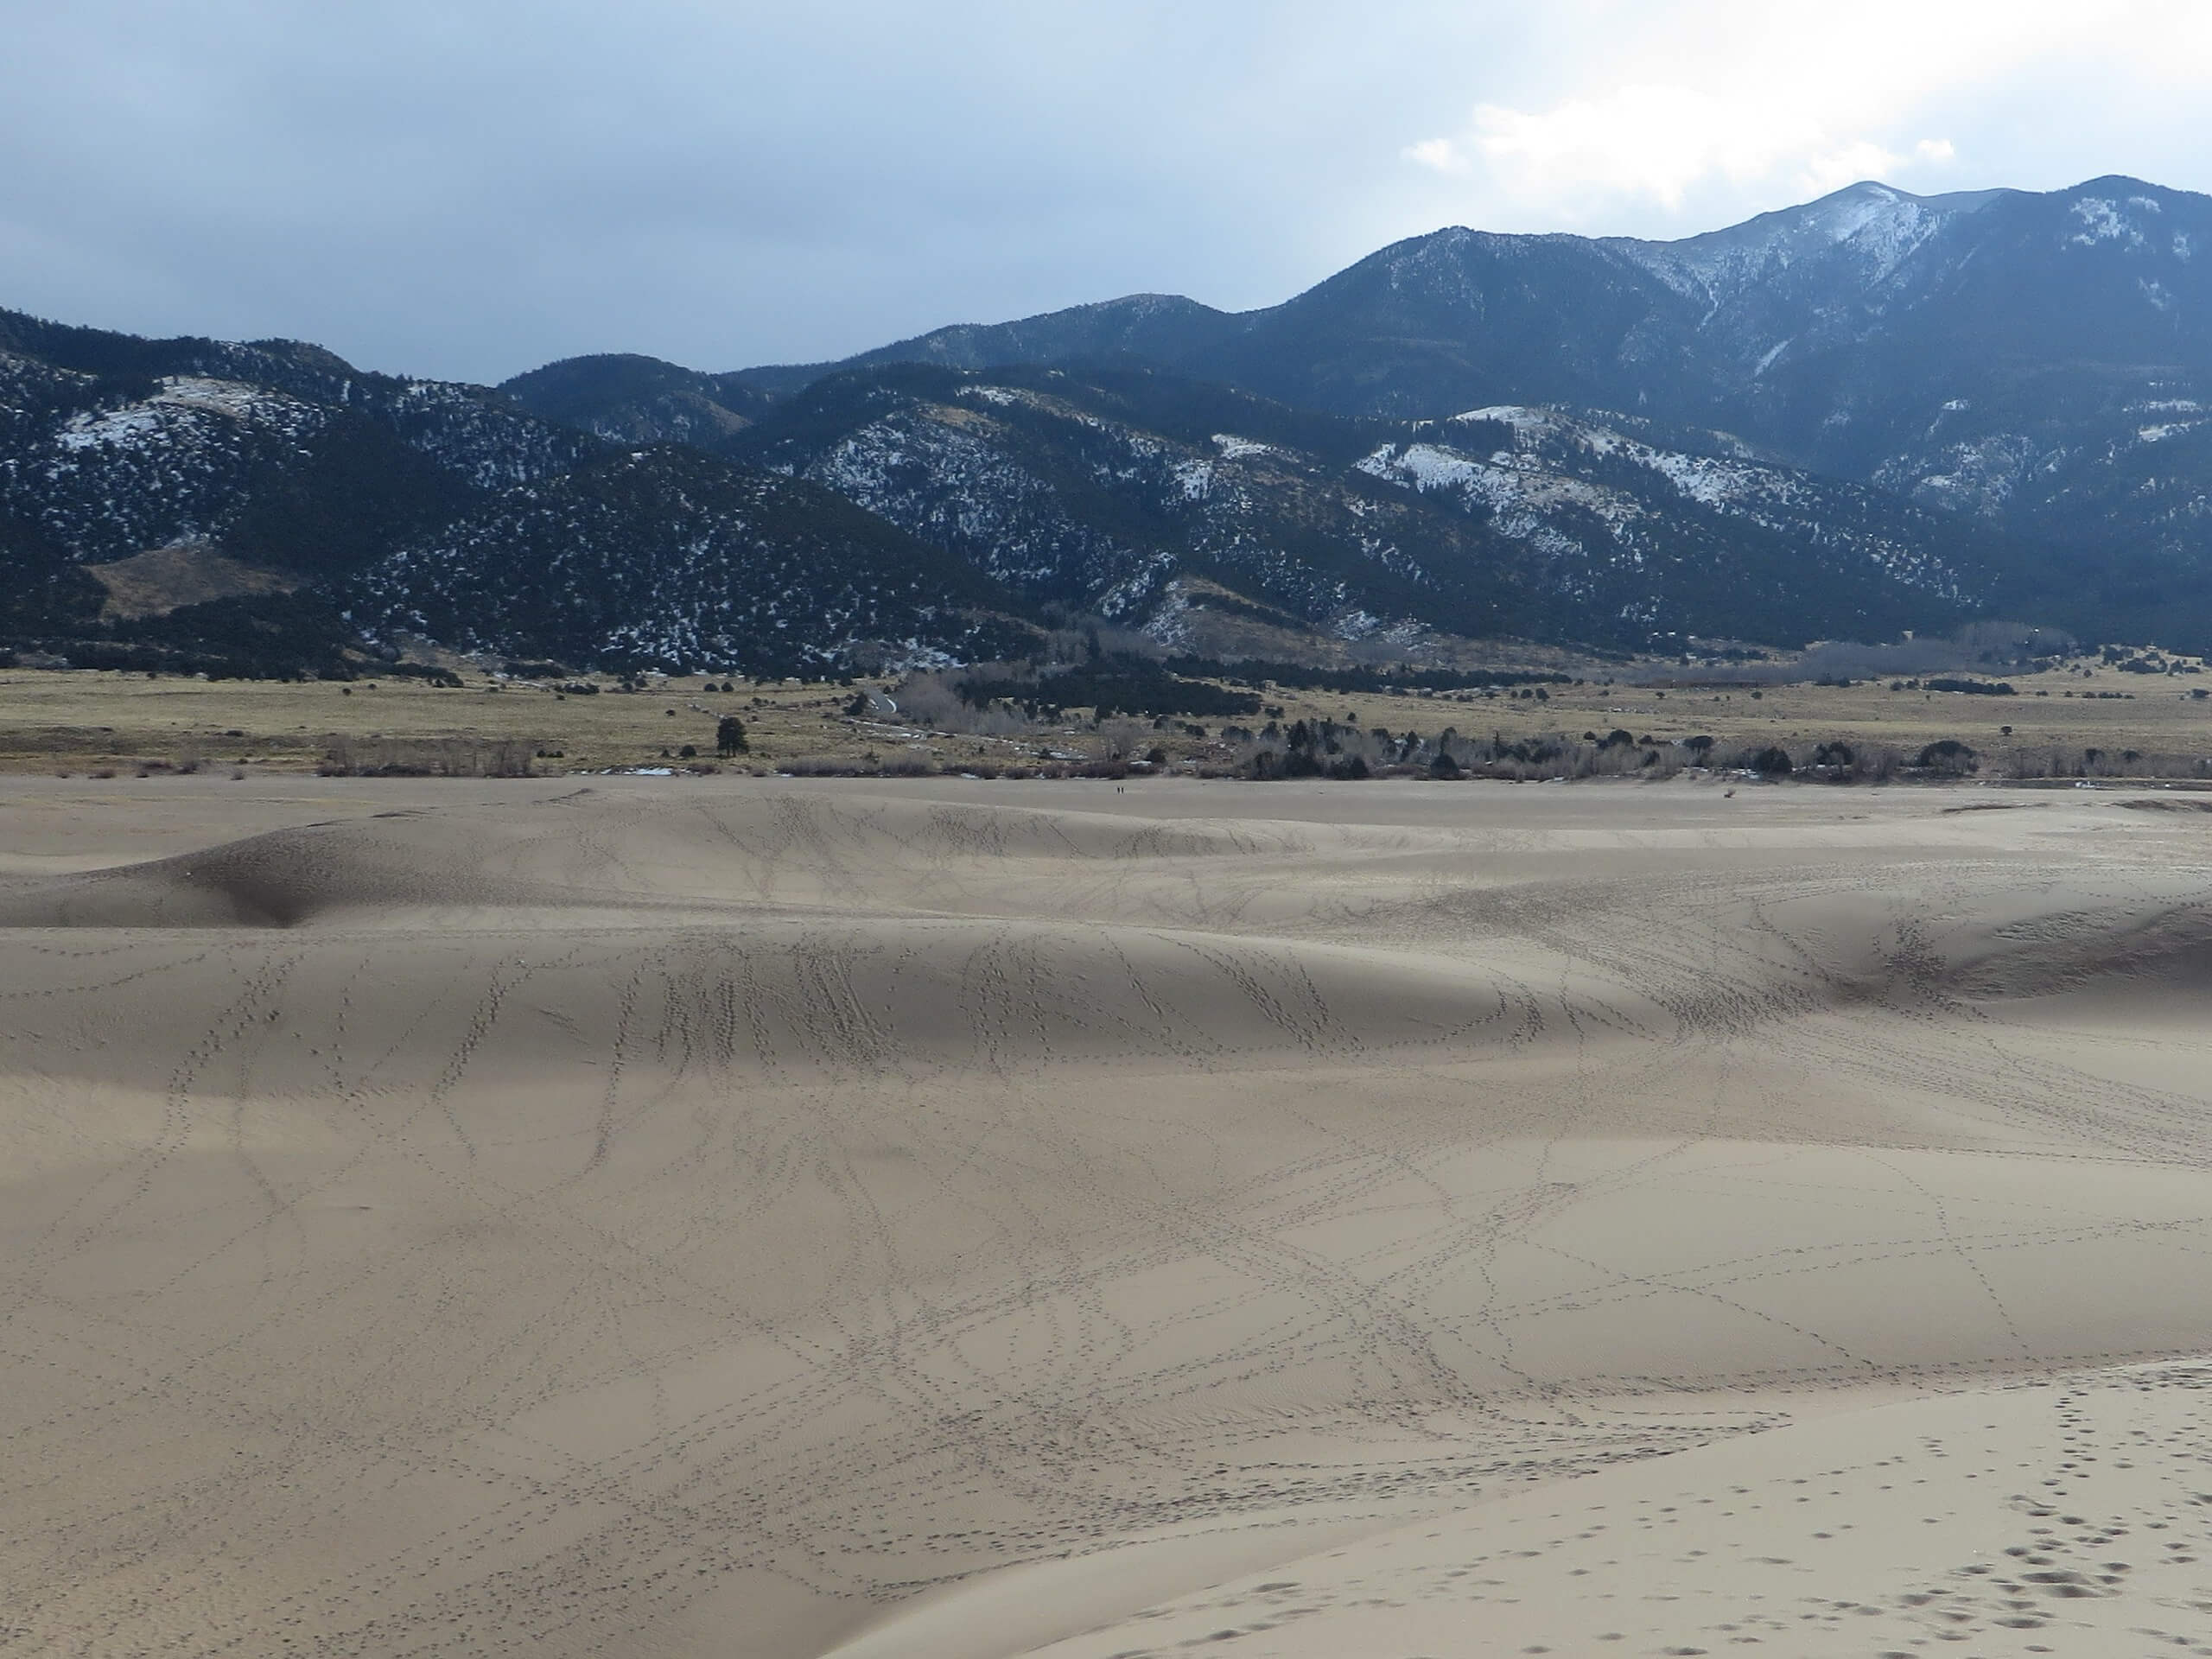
x=470 y=187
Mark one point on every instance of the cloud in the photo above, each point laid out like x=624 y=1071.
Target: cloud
x=1656 y=140
x=1441 y=154
x=1726 y=97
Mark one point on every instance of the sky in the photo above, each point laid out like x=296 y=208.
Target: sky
x=468 y=188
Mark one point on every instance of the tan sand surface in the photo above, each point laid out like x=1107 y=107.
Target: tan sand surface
x=2068 y=1515
x=720 y=1216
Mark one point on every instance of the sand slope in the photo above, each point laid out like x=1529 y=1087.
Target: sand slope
x=2065 y=1515
x=746 y=1218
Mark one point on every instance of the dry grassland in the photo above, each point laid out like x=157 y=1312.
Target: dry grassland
x=85 y=720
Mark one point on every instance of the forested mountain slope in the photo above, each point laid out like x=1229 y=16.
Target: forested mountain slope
x=2039 y=362
x=1105 y=489
x=1873 y=412
x=380 y=505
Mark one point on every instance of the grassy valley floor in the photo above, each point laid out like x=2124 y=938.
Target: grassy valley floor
x=85 y=720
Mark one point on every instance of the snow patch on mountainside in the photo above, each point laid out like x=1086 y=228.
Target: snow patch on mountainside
x=1544 y=436
x=1499 y=482
x=1521 y=418
x=1598 y=503
x=955 y=486
x=1703 y=477
x=1129 y=595
x=165 y=416
x=2101 y=220
x=1977 y=477
x=1872 y=227
x=1196 y=476
x=133 y=423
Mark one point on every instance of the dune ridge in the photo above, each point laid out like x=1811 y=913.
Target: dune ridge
x=744 y=1217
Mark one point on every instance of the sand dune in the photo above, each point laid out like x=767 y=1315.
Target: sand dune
x=2066 y=1515
x=731 y=1218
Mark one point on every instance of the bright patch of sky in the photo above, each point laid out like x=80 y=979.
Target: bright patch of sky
x=468 y=188
x=1686 y=108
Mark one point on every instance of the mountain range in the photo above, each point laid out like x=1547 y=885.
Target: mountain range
x=1873 y=412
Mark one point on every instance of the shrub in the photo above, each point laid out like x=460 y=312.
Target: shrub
x=1267 y=765
x=1947 y=754
x=1973 y=688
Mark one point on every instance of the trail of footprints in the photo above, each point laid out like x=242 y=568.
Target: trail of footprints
x=2098 y=1539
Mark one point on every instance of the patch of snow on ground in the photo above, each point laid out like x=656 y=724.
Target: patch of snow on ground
x=1714 y=483
x=2102 y=221
x=1519 y=417
x=1502 y=482
x=232 y=398
x=137 y=423
x=1131 y=590
x=1233 y=448
x=1421 y=465
x=1196 y=479
x=1982 y=477
x=1170 y=622
x=1878 y=226
x=119 y=427
x=1355 y=624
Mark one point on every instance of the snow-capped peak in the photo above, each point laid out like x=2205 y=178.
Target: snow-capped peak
x=1876 y=226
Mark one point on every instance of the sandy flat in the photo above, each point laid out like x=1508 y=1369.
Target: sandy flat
x=740 y=1218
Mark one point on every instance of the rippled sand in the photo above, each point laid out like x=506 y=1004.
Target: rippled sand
x=723 y=1218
